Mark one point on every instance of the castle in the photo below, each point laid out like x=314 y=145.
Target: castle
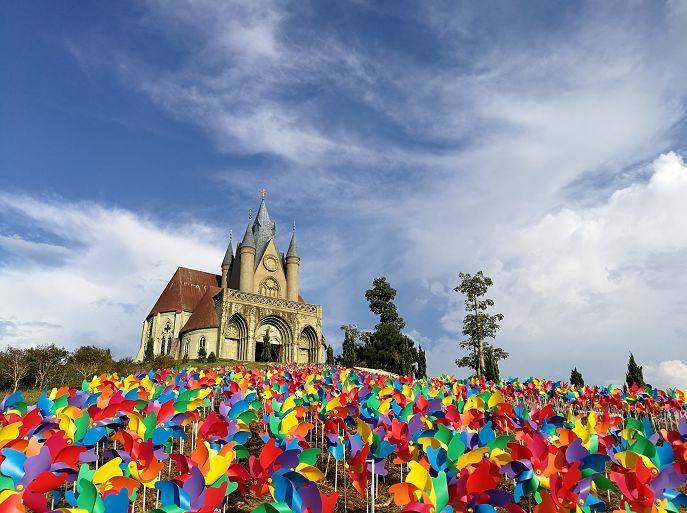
x=255 y=299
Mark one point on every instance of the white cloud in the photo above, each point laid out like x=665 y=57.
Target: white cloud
x=591 y=284
x=669 y=373
x=98 y=278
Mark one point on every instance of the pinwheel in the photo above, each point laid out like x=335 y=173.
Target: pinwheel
x=183 y=433
x=570 y=493
x=194 y=495
x=24 y=481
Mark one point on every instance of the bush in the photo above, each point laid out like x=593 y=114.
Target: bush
x=211 y=357
x=125 y=366
x=163 y=361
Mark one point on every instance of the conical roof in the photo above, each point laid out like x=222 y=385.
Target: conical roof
x=228 y=256
x=263 y=231
x=293 y=246
x=248 y=238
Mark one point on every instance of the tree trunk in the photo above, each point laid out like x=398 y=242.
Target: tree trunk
x=480 y=344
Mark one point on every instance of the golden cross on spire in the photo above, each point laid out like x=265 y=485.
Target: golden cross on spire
x=263 y=193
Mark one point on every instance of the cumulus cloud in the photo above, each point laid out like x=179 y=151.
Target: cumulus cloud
x=590 y=284
x=97 y=275
x=669 y=373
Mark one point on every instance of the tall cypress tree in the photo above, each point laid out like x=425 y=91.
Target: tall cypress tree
x=576 y=378
x=330 y=355
x=421 y=364
x=635 y=373
x=149 y=353
x=348 y=354
x=491 y=369
x=266 y=354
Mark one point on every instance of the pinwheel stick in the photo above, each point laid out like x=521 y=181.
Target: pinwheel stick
x=344 y=477
x=373 y=488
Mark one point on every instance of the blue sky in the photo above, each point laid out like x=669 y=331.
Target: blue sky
x=539 y=141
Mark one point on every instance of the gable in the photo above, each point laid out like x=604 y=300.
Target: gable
x=270 y=273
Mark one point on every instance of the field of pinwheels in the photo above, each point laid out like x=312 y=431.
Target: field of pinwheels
x=323 y=439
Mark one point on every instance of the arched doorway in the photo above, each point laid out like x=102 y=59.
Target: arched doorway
x=275 y=331
x=235 y=343
x=307 y=346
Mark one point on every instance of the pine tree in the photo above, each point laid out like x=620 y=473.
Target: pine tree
x=386 y=347
x=149 y=353
x=478 y=325
x=635 y=373
x=348 y=354
x=266 y=355
x=330 y=355
x=576 y=379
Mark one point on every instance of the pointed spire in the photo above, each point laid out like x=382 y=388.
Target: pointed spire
x=248 y=239
x=263 y=228
x=262 y=218
x=293 y=245
x=229 y=255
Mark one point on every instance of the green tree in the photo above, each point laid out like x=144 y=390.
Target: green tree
x=576 y=379
x=14 y=366
x=491 y=365
x=202 y=354
x=421 y=364
x=87 y=361
x=45 y=363
x=266 y=355
x=478 y=324
x=330 y=355
x=635 y=373
x=125 y=366
x=348 y=354
x=149 y=352
x=381 y=299
x=386 y=347
x=211 y=357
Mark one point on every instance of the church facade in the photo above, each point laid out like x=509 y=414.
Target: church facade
x=254 y=302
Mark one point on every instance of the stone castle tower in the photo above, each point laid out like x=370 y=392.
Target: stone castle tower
x=255 y=298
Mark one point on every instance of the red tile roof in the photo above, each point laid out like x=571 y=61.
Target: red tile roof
x=204 y=315
x=185 y=290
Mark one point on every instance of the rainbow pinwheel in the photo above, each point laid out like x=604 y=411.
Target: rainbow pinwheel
x=199 y=440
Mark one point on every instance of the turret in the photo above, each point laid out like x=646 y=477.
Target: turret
x=227 y=264
x=293 y=263
x=247 y=252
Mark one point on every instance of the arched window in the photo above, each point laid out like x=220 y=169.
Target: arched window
x=202 y=343
x=269 y=287
x=186 y=348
